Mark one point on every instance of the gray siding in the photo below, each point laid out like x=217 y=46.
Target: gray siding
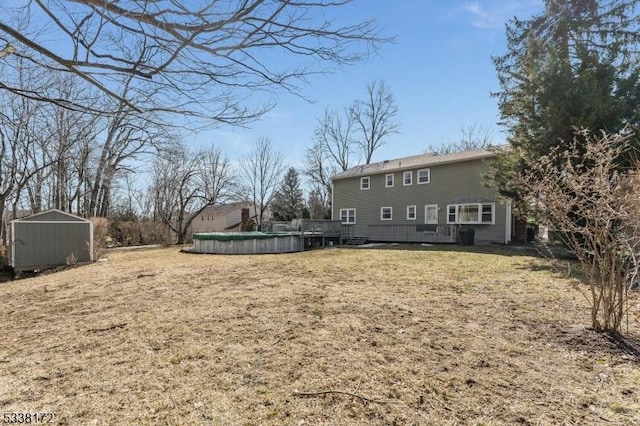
x=40 y=245
x=451 y=183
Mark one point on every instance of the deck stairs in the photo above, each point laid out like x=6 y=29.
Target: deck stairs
x=356 y=240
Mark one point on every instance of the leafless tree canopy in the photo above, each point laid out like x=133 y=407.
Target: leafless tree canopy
x=261 y=170
x=593 y=206
x=197 y=57
x=345 y=138
x=375 y=118
x=185 y=183
x=473 y=137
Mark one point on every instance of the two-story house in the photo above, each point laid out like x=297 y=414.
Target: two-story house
x=422 y=198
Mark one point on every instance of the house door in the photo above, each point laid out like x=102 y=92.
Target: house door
x=431 y=214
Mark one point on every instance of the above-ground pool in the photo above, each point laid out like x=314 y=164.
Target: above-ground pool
x=246 y=242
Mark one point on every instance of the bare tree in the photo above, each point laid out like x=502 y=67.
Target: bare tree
x=332 y=150
x=334 y=136
x=126 y=136
x=261 y=171
x=317 y=204
x=582 y=194
x=473 y=137
x=200 y=58
x=20 y=136
x=319 y=168
x=375 y=118
x=186 y=183
x=67 y=138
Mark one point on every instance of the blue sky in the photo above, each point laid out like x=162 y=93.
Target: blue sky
x=439 y=69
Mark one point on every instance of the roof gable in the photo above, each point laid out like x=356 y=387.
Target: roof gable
x=53 y=215
x=413 y=162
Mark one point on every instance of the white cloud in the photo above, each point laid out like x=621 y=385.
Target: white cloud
x=493 y=14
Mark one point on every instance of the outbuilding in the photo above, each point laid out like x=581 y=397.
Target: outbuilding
x=48 y=239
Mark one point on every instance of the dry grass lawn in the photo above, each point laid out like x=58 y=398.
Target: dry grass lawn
x=423 y=336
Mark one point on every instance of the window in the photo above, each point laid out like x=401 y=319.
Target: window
x=411 y=212
x=386 y=213
x=451 y=217
x=475 y=213
x=431 y=214
x=365 y=182
x=407 y=178
x=468 y=213
x=424 y=176
x=348 y=216
x=388 y=179
x=487 y=213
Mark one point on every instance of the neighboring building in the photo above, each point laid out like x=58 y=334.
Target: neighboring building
x=226 y=217
x=49 y=239
x=423 y=198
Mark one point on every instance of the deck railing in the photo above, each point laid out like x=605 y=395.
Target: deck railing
x=413 y=233
x=327 y=228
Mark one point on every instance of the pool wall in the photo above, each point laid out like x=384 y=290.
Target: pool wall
x=251 y=243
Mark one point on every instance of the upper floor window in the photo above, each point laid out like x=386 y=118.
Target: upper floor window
x=407 y=178
x=424 y=176
x=365 y=182
x=388 y=180
x=386 y=213
x=473 y=213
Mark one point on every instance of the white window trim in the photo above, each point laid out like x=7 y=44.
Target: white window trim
x=469 y=222
x=415 y=213
x=362 y=179
x=347 y=222
x=404 y=183
x=386 y=180
x=437 y=214
x=428 y=170
x=382 y=215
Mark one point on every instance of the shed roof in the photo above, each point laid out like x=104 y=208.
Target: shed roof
x=406 y=163
x=53 y=215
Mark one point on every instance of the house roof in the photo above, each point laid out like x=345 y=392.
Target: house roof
x=225 y=208
x=407 y=163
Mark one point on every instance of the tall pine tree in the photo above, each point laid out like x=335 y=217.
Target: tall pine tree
x=573 y=67
x=288 y=203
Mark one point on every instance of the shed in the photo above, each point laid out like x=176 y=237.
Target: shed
x=49 y=239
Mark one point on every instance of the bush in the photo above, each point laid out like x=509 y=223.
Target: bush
x=133 y=233
x=100 y=235
x=593 y=205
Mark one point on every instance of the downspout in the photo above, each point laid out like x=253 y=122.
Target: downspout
x=91 y=242
x=508 y=219
x=332 y=204
x=12 y=244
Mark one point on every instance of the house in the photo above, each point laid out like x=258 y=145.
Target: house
x=225 y=217
x=422 y=198
x=49 y=239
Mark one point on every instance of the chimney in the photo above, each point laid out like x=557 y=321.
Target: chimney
x=245 y=219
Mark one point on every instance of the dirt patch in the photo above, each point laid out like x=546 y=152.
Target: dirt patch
x=336 y=336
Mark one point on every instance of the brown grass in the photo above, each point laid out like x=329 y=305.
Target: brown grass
x=434 y=336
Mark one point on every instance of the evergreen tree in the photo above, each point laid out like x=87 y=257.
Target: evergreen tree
x=573 y=67
x=288 y=203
